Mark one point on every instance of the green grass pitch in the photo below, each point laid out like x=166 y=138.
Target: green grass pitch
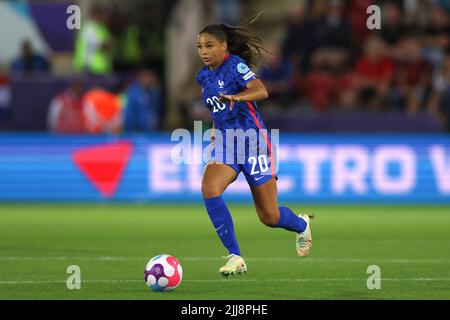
x=111 y=243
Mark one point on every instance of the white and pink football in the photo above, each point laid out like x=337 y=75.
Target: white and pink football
x=163 y=273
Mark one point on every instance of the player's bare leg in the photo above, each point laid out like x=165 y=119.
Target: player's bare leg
x=266 y=202
x=269 y=213
x=216 y=178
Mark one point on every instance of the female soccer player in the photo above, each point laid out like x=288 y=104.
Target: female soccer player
x=230 y=90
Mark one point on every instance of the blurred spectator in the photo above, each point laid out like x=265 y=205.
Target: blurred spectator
x=416 y=14
x=357 y=14
x=374 y=73
x=5 y=100
x=392 y=25
x=444 y=107
x=315 y=30
x=144 y=106
x=328 y=78
x=296 y=41
x=319 y=85
x=440 y=105
x=437 y=35
x=439 y=28
x=65 y=114
x=277 y=74
x=324 y=27
x=152 y=18
x=93 y=47
x=337 y=28
x=129 y=50
x=102 y=111
x=5 y=92
x=29 y=61
x=412 y=79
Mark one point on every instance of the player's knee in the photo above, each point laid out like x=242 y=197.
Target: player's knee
x=210 y=190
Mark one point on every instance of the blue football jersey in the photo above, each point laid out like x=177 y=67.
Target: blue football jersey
x=231 y=77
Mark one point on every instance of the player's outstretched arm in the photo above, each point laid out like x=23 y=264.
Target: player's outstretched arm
x=255 y=91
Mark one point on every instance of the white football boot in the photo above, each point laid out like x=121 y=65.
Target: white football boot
x=234 y=265
x=304 y=239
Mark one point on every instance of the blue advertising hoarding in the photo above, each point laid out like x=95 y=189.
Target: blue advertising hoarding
x=312 y=168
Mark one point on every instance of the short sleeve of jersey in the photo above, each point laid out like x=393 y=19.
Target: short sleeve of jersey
x=242 y=73
x=200 y=77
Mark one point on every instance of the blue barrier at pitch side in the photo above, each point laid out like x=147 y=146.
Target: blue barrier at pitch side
x=312 y=168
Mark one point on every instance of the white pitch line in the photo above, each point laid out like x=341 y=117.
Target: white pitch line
x=241 y=279
x=310 y=259
x=269 y=259
x=323 y=280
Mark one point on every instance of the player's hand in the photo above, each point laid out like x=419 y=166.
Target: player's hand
x=228 y=98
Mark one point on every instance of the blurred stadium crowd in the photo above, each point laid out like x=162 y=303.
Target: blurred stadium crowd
x=113 y=82
x=326 y=62
x=330 y=60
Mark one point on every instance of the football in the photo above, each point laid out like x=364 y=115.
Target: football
x=163 y=273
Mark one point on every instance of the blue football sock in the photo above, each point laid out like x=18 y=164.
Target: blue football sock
x=223 y=223
x=290 y=221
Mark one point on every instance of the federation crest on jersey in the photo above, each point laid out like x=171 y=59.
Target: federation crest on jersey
x=221 y=84
x=242 y=68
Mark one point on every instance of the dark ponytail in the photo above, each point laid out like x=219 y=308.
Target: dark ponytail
x=240 y=41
